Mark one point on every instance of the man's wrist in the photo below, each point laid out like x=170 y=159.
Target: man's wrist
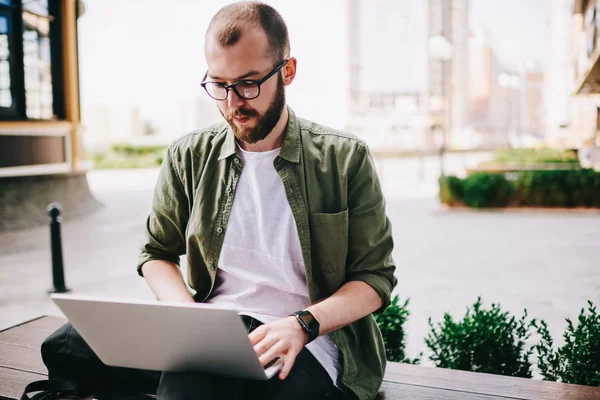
x=300 y=329
x=308 y=323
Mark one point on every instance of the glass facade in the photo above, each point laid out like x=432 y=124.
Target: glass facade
x=37 y=60
x=6 y=99
x=29 y=39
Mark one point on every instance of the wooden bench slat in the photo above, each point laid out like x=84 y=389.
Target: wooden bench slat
x=25 y=336
x=13 y=382
x=45 y=322
x=402 y=391
x=497 y=385
x=22 y=358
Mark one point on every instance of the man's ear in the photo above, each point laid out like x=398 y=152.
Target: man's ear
x=289 y=71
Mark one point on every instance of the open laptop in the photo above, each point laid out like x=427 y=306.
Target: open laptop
x=165 y=336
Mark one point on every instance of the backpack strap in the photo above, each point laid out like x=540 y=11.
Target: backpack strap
x=49 y=389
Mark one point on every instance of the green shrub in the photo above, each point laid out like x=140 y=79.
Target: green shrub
x=391 y=323
x=578 y=360
x=554 y=188
x=483 y=189
x=451 y=190
x=129 y=156
x=489 y=341
x=576 y=188
x=138 y=150
x=535 y=156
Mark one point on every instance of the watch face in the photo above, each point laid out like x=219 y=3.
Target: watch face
x=309 y=320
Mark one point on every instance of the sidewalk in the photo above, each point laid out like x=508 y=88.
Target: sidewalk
x=99 y=252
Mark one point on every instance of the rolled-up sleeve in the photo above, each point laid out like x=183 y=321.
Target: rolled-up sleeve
x=370 y=241
x=164 y=235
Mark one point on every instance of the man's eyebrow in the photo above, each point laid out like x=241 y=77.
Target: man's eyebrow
x=239 y=78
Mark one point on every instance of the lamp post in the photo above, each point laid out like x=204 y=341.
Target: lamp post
x=440 y=49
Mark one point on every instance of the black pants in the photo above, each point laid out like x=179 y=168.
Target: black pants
x=67 y=356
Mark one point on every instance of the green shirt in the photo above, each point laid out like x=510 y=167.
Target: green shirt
x=337 y=203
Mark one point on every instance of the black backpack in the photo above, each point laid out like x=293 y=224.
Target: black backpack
x=74 y=369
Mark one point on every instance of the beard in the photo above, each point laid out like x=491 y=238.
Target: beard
x=264 y=123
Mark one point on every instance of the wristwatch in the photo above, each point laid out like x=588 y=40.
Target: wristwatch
x=309 y=323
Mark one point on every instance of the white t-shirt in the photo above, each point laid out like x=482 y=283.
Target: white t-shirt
x=261 y=270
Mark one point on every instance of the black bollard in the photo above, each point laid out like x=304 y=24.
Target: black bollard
x=58 y=273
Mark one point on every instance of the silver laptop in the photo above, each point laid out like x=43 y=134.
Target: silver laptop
x=165 y=336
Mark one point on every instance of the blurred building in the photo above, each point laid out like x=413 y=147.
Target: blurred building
x=559 y=73
x=488 y=99
x=106 y=125
x=397 y=92
x=533 y=117
x=448 y=79
x=388 y=72
x=507 y=104
x=460 y=114
x=39 y=112
x=508 y=111
x=585 y=129
x=136 y=122
x=179 y=118
x=97 y=125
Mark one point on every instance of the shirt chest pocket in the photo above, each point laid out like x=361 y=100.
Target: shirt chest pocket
x=329 y=240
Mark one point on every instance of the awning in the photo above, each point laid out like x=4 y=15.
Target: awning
x=579 y=6
x=589 y=82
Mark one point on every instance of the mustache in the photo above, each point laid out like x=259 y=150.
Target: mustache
x=242 y=112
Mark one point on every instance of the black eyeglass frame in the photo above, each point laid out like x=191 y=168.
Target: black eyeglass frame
x=233 y=86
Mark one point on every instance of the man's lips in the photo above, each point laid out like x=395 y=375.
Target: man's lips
x=241 y=118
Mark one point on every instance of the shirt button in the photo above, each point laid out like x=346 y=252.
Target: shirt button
x=219 y=230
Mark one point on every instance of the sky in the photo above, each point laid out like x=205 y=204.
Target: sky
x=518 y=28
x=150 y=52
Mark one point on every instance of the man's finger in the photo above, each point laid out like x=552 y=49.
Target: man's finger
x=257 y=335
x=273 y=352
x=265 y=344
x=289 y=360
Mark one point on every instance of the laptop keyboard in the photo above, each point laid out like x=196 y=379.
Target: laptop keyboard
x=270 y=363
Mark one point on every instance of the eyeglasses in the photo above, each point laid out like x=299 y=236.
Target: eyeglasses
x=247 y=89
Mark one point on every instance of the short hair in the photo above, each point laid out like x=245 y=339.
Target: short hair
x=230 y=21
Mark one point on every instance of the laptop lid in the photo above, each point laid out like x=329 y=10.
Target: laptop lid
x=165 y=336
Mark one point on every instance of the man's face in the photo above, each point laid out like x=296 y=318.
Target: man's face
x=250 y=120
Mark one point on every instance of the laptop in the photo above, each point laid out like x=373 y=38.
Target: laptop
x=166 y=336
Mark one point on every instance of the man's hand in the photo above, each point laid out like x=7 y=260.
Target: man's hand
x=284 y=338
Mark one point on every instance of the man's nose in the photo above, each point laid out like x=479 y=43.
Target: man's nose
x=233 y=100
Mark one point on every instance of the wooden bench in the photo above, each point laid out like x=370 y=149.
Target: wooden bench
x=21 y=363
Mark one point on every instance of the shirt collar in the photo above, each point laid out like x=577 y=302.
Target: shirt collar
x=290 y=148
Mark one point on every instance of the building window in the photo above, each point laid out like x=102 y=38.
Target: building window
x=36 y=59
x=30 y=60
x=6 y=100
x=8 y=107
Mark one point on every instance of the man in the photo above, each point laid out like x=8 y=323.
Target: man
x=280 y=218
x=277 y=215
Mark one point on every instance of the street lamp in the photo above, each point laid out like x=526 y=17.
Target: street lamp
x=440 y=49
